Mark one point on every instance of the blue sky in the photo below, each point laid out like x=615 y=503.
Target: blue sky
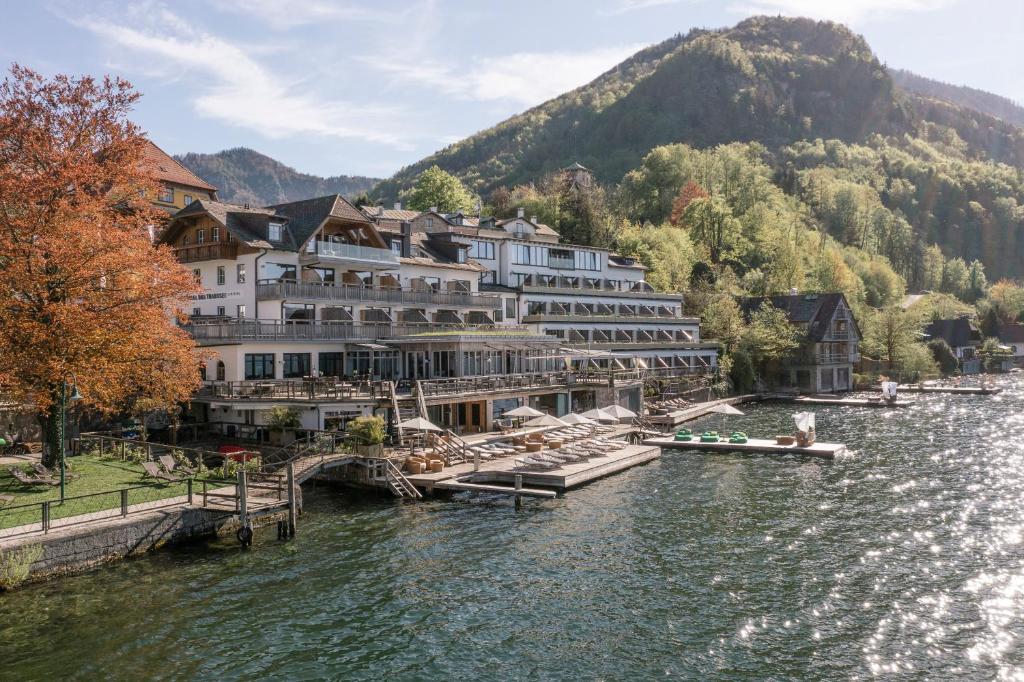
x=363 y=87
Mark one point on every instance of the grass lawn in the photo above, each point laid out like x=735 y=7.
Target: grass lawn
x=93 y=475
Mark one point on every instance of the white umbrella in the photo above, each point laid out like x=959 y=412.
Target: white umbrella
x=545 y=420
x=600 y=415
x=620 y=412
x=725 y=408
x=573 y=418
x=419 y=424
x=524 y=411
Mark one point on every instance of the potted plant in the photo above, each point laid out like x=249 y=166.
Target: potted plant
x=279 y=421
x=368 y=434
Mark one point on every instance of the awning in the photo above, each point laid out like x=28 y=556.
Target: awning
x=619 y=363
x=661 y=361
x=373 y=346
x=640 y=363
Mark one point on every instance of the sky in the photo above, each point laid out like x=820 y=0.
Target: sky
x=363 y=87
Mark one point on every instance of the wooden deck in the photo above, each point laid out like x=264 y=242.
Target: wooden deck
x=847 y=402
x=757 y=445
x=695 y=411
x=501 y=472
x=954 y=390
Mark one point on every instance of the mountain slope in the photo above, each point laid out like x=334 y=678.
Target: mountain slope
x=246 y=176
x=987 y=103
x=771 y=80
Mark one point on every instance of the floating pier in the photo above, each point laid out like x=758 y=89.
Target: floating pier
x=499 y=475
x=695 y=411
x=954 y=390
x=848 y=402
x=757 y=445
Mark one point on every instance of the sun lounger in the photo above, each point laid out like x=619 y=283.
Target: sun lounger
x=171 y=465
x=531 y=463
x=154 y=471
x=43 y=472
x=26 y=479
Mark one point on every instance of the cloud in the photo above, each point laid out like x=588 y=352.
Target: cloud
x=623 y=6
x=236 y=88
x=283 y=15
x=526 y=78
x=847 y=11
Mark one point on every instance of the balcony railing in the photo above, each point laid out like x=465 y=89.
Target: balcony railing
x=272 y=330
x=592 y=285
x=275 y=289
x=325 y=249
x=201 y=252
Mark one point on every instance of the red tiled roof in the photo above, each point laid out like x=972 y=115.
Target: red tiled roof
x=163 y=167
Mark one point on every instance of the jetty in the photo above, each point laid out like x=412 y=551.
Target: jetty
x=846 y=402
x=753 y=445
x=953 y=390
x=695 y=411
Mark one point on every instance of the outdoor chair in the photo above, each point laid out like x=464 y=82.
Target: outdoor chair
x=25 y=479
x=153 y=471
x=171 y=465
x=43 y=472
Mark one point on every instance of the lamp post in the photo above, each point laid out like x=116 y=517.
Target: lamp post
x=64 y=398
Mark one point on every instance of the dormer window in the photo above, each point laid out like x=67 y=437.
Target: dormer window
x=274 y=231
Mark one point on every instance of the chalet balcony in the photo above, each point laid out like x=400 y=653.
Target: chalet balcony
x=276 y=289
x=203 y=252
x=351 y=254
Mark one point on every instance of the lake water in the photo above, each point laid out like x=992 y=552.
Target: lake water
x=904 y=559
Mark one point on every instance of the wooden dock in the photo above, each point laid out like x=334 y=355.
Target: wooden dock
x=954 y=390
x=847 y=402
x=757 y=445
x=695 y=411
x=498 y=475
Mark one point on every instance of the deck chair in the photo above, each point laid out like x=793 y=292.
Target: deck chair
x=171 y=465
x=154 y=471
x=23 y=478
x=43 y=472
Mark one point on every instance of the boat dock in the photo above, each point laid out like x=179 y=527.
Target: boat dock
x=954 y=390
x=499 y=475
x=755 y=445
x=666 y=421
x=847 y=402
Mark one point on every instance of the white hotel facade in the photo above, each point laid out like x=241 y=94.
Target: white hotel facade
x=439 y=313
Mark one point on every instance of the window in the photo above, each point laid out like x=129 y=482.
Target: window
x=215 y=234
x=188 y=199
x=198 y=274
x=479 y=249
x=460 y=255
x=523 y=254
x=297 y=312
x=274 y=232
x=284 y=271
x=510 y=308
x=325 y=275
x=196 y=312
x=296 y=365
x=259 y=366
x=240 y=311
x=331 y=364
x=221 y=278
x=561 y=258
x=220 y=370
x=430 y=223
x=240 y=273
x=489 y=277
x=587 y=260
x=221 y=311
x=396 y=247
x=515 y=279
x=166 y=194
x=200 y=236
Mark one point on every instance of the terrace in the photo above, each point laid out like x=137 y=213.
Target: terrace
x=236 y=330
x=280 y=289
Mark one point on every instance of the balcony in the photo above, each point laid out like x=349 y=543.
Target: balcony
x=272 y=290
x=238 y=331
x=203 y=252
x=556 y=263
x=538 y=283
x=366 y=256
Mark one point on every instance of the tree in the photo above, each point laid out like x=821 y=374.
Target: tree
x=944 y=356
x=690 y=191
x=712 y=224
x=768 y=339
x=741 y=372
x=437 y=188
x=888 y=333
x=82 y=287
x=722 y=321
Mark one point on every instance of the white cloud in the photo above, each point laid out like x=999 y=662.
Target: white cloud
x=525 y=78
x=846 y=11
x=278 y=14
x=236 y=88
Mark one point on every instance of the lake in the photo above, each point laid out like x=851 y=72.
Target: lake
x=904 y=558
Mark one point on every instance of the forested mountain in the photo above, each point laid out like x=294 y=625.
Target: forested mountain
x=972 y=98
x=245 y=176
x=889 y=172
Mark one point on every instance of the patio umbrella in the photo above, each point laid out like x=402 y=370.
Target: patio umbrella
x=524 y=411
x=419 y=424
x=724 y=409
x=601 y=415
x=545 y=420
x=620 y=412
x=573 y=418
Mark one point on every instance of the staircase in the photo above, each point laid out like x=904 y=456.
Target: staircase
x=396 y=410
x=453 y=451
x=384 y=471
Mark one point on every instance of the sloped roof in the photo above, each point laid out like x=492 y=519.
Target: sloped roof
x=539 y=228
x=957 y=333
x=814 y=310
x=381 y=213
x=162 y=166
x=306 y=215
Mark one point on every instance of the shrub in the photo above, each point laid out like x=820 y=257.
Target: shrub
x=15 y=565
x=367 y=430
x=943 y=355
x=284 y=418
x=742 y=372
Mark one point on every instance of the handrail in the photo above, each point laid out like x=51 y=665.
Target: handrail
x=270 y=289
x=316 y=330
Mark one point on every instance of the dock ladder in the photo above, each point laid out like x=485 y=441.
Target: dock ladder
x=385 y=470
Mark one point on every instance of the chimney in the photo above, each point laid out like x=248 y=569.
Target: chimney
x=380 y=211
x=520 y=213
x=533 y=219
x=433 y=209
x=794 y=291
x=398 y=205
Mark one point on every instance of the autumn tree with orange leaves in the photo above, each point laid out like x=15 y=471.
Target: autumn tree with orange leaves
x=687 y=194
x=82 y=287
